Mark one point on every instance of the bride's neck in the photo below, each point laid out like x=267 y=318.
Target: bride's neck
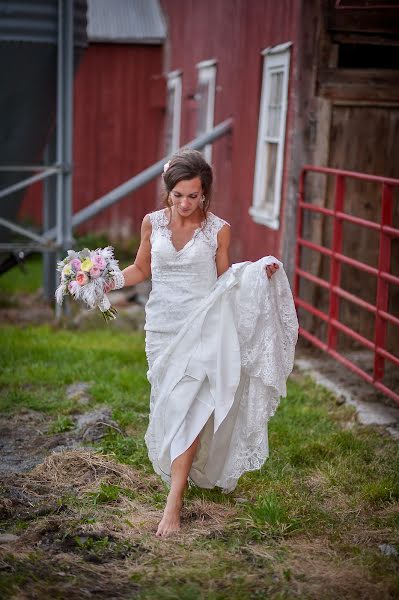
x=195 y=218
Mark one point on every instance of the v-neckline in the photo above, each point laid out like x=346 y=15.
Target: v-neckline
x=189 y=241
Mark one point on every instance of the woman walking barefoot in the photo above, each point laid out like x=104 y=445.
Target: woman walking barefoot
x=220 y=341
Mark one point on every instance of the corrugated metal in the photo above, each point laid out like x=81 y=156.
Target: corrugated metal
x=126 y=21
x=37 y=21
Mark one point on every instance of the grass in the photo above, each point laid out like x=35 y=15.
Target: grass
x=306 y=525
x=23 y=279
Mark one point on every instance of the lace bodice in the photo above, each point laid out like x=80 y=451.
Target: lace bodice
x=180 y=278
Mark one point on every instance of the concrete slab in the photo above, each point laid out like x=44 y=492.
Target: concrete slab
x=368 y=413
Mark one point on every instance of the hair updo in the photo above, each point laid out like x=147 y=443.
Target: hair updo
x=188 y=164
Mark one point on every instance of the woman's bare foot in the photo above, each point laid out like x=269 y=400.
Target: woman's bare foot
x=170 y=522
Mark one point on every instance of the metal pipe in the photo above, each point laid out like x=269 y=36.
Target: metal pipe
x=68 y=123
x=59 y=229
x=60 y=122
x=21 y=168
x=49 y=220
x=26 y=182
x=26 y=232
x=354 y=174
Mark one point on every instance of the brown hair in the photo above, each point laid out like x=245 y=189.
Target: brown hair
x=187 y=164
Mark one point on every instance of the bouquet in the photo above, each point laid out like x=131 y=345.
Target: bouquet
x=84 y=276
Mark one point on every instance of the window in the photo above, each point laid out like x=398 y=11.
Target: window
x=205 y=97
x=173 y=112
x=265 y=207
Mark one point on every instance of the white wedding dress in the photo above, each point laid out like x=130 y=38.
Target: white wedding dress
x=219 y=352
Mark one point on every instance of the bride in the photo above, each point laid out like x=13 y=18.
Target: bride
x=220 y=340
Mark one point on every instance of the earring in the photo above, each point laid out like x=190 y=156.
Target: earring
x=202 y=200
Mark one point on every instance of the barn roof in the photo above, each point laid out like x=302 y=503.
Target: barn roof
x=125 y=21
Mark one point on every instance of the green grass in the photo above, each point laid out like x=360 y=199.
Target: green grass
x=23 y=279
x=332 y=485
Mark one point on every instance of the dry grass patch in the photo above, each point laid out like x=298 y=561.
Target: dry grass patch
x=87 y=528
x=316 y=568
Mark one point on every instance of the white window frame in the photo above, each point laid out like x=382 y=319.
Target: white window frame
x=276 y=58
x=174 y=82
x=207 y=74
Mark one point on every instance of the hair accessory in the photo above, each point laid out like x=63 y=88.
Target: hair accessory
x=166 y=166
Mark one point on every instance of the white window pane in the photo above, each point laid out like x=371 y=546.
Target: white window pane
x=169 y=120
x=274 y=105
x=205 y=95
x=203 y=101
x=270 y=173
x=173 y=110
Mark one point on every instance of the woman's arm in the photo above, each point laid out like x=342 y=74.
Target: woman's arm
x=222 y=253
x=140 y=270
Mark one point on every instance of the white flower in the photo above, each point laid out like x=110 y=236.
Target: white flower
x=166 y=166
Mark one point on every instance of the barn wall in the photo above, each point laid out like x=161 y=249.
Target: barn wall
x=234 y=32
x=118 y=120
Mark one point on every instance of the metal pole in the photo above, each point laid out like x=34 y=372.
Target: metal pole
x=49 y=220
x=335 y=264
x=68 y=123
x=26 y=182
x=60 y=139
x=382 y=297
x=23 y=231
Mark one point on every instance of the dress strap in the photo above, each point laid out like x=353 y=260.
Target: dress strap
x=211 y=229
x=157 y=219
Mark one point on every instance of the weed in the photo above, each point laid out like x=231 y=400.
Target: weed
x=61 y=424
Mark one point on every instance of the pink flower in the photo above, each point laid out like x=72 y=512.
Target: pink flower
x=166 y=166
x=73 y=287
x=82 y=278
x=99 y=261
x=95 y=272
x=76 y=264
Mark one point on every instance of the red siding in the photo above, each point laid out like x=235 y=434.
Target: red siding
x=234 y=32
x=117 y=128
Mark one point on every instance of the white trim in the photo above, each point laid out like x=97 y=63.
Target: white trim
x=174 y=82
x=276 y=59
x=263 y=219
x=206 y=63
x=207 y=74
x=276 y=49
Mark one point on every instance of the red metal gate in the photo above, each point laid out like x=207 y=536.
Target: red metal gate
x=380 y=309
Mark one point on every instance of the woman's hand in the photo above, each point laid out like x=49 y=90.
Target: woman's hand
x=270 y=269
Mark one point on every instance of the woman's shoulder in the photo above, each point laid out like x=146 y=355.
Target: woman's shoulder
x=216 y=222
x=157 y=218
